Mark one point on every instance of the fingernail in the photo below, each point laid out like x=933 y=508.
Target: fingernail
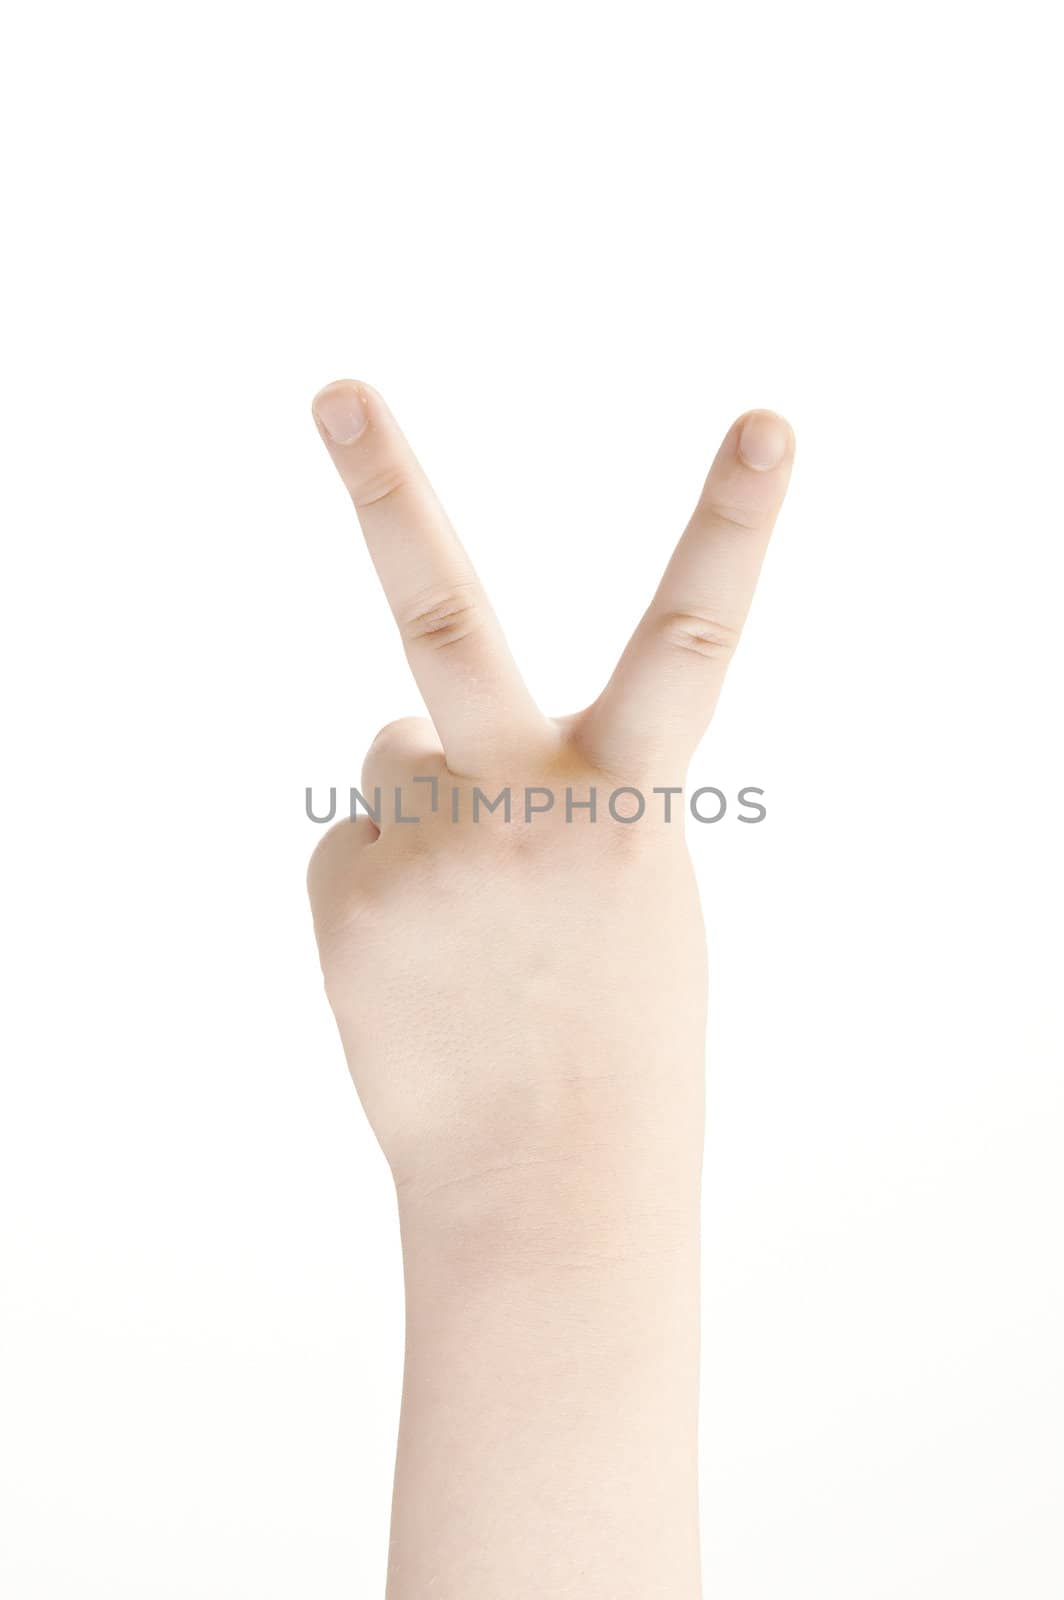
x=341 y=411
x=763 y=440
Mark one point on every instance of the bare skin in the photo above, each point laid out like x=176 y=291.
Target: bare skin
x=522 y=1005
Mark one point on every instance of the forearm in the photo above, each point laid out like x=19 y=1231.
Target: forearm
x=548 y=1442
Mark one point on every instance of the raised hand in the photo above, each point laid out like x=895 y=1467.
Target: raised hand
x=521 y=1000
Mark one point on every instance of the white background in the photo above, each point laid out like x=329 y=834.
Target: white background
x=568 y=243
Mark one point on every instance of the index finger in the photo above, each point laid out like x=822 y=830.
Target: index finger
x=457 y=653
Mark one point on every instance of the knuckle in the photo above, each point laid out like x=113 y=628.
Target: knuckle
x=397 y=730
x=325 y=854
x=700 y=633
x=332 y=856
x=442 y=617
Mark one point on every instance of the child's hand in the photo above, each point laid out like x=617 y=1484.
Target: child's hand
x=522 y=1006
x=522 y=1001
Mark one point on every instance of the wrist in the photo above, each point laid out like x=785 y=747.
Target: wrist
x=598 y=1209
x=551 y=1386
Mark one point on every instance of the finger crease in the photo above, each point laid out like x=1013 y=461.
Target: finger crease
x=705 y=636
x=445 y=619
